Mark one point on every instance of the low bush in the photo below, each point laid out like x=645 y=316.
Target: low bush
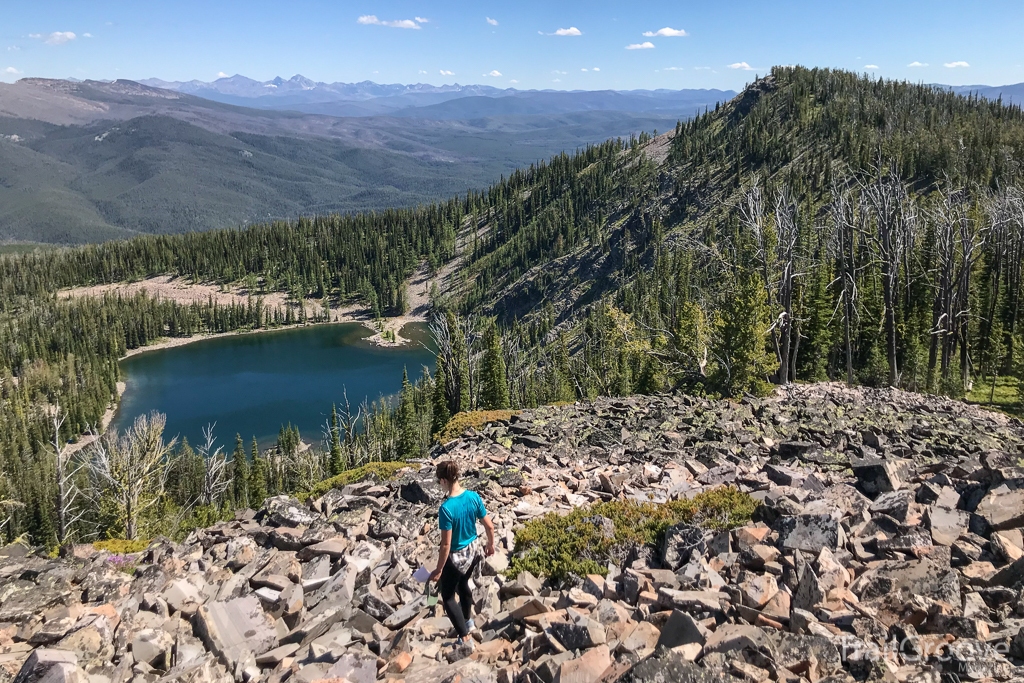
x=475 y=418
x=381 y=471
x=582 y=542
x=120 y=546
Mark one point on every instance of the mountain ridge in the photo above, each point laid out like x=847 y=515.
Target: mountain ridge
x=256 y=164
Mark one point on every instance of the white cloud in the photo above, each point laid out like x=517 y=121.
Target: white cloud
x=221 y=74
x=702 y=68
x=741 y=65
x=87 y=35
x=557 y=80
x=956 y=65
x=646 y=45
x=571 y=31
x=13 y=48
x=60 y=37
x=583 y=69
x=11 y=70
x=915 y=65
x=513 y=81
x=445 y=72
x=596 y=69
x=492 y=22
x=422 y=20
x=667 y=33
x=493 y=74
x=372 y=20
x=871 y=66
x=422 y=72
x=675 y=68
x=36 y=36
x=559 y=73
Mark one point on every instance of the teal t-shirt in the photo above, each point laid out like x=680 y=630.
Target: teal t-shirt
x=459 y=514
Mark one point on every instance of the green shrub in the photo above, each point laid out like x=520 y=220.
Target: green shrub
x=475 y=418
x=120 y=546
x=381 y=471
x=580 y=543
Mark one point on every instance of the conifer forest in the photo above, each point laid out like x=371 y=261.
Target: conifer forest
x=820 y=226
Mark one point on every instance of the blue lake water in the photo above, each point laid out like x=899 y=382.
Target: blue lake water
x=251 y=384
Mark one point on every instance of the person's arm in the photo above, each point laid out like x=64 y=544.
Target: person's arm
x=442 y=554
x=489 y=527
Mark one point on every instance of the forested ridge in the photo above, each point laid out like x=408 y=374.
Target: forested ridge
x=822 y=225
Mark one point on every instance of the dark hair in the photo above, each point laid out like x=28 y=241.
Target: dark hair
x=448 y=470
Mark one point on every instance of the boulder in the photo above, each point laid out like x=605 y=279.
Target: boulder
x=1003 y=508
x=235 y=629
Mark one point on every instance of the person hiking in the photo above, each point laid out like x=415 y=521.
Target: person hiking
x=459 y=552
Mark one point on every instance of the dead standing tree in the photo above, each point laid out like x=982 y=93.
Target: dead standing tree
x=959 y=241
x=130 y=471
x=66 y=471
x=891 y=221
x=215 y=469
x=1004 y=248
x=776 y=247
x=844 y=250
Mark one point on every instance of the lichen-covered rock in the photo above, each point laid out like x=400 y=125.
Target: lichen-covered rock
x=882 y=515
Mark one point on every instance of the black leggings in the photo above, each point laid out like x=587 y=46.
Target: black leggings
x=455 y=582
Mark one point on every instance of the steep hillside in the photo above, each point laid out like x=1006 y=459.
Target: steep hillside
x=820 y=226
x=864 y=535
x=868 y=229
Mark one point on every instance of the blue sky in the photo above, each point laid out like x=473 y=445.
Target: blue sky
x=513 y=44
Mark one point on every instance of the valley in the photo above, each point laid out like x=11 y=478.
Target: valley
x=711 y=384
x=92 y=161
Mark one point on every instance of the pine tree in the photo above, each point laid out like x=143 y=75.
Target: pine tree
x=458 y=395
x=258 y=489
x=408 y=435
x=493 y=377
x=741 y=339
x=440 y=413
x=240 y=474
x=336 y=464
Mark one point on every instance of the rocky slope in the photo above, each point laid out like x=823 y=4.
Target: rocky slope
x=887 y=547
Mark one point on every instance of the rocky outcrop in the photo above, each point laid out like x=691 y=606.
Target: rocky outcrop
x=887 y=546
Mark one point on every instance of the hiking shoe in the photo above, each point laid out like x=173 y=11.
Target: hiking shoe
x=470 y=625
x=462 y=649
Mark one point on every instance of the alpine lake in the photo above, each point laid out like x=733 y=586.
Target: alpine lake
x=252 y=384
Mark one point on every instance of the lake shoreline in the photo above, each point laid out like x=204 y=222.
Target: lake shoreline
x=251 y=384
x=393 y=325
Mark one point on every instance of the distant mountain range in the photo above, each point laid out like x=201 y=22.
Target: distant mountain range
x=445 y=102
x=1009 y=93
x=84 y=161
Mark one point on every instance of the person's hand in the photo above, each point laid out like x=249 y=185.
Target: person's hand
x=434 y=575
x=489 y=550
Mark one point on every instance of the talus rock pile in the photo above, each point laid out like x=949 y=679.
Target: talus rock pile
x=887 y=546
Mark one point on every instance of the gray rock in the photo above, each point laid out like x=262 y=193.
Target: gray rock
x=286 y=511
x=355 y=668
x=917 y=577
x=681 y=629
x=236 y=628
x=810 y=533
x=153 y=647
x=49 y=666
x=680 y=541
x=416 y=492
x=1003 y=508
x=875 y=476
x=666 y=666
x=579 y=634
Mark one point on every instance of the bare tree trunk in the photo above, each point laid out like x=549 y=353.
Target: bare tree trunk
x=894 y=224
x=68 y=492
